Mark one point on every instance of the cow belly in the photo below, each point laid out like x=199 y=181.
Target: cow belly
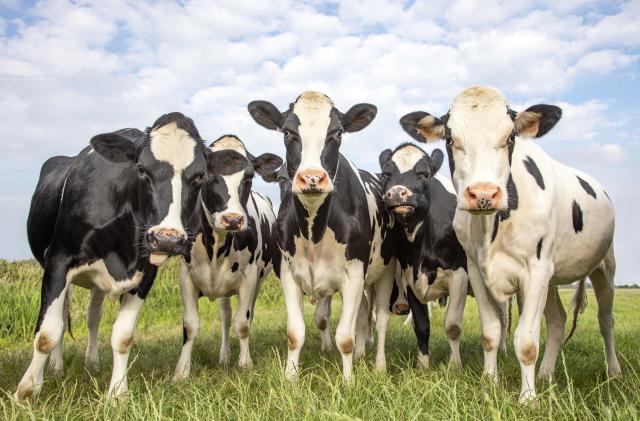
x=425 y=292
x=96 y=275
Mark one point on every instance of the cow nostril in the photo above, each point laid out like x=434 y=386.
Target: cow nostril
x=471 y=194
x=495 y=193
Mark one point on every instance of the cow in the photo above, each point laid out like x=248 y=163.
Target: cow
x=332 y=226
x=105 y=220
x=526 y=222
x=431 y=260
x=234 y=247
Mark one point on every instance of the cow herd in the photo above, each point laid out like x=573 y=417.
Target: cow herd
x=511 y=222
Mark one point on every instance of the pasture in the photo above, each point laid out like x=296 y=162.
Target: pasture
x=581 y=389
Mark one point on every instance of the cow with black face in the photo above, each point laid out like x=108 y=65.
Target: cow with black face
x=332 y=226
x=431 y=259
x=118 y=210
x=234 y=249
x=526 y=222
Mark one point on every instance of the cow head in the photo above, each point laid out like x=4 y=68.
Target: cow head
x=166 y=169
x=480 y=131
x=312 y=129
x=226 y=192
x=406 y=172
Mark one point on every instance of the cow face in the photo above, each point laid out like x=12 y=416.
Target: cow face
x=226 y=192
x=480 y=132
x=406 y=172
x=312 y=129
x=166 y=169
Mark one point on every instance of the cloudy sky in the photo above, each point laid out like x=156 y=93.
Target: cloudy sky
x=69 y=70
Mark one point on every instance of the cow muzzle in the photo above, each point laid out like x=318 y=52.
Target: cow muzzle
x=397 y=200
x=165 y=242
x=482 y=198
x=312 y=181
x=232 y=221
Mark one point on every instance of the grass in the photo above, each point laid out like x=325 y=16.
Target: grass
x=581 y=389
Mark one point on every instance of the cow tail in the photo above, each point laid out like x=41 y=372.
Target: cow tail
x=509 y=316
x=67 y=304
x=578 y=304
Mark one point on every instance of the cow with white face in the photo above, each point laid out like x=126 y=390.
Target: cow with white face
x=234 y=249
x=332 y=227
x=104 y=220
x=527 y=223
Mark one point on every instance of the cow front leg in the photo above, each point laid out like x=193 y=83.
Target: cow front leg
x=421 y=328
x=94 y=314
x=225 y=324
x=527 y=336
x=49 y=326
x=556 y=318
x=382 y=297
x=455 y=314
x=351 y=292
x=322 y=317
x=295 y=321
x=242 y=320
x=489 y=320
x=190 y=325
x=121 y=340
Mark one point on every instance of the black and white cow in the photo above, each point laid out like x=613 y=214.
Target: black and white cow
x=234 y=248
x=105 y=220
x=431 y=259
x=332 y=226
x=527 y=223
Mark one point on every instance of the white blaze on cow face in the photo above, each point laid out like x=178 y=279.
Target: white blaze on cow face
x=313 y=110
x=407 y=157
x=480 y=129
x=176 y=147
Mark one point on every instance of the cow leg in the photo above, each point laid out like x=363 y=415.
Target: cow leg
x=190 y=324
x=55 y=359
x=295 y=320
x=527 y=337
x=94 y=314
x=455 y=313
x=322 y=316
x=49 y=326
x=362 y=328
x=503 y=312
x=242 y=320
x=556 y=318
x=383 y=296
x=371 y=315
x=352 y=292
x=225 y=322
x=489 y=320
x=604 y=288
x=121 y=340
x=421 y=328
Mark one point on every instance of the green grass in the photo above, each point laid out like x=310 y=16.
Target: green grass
x=581 y=390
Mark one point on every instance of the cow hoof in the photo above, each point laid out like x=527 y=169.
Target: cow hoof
x=177 y=378
x=225 y=359
x=326 y=348
x=246 y=365
x=527 y=397
x=422 y=361
x=92 y=366
x=381 y=367
x=25 y=392
x=545 y=374
x=57 y=373
x=455 y=364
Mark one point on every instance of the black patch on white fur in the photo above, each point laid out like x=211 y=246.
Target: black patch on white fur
x=577 y=217
x=184 y=335
x=234 y=267
x=248 y=314
x=587 y=187
x=531 y=166
x=539 y=249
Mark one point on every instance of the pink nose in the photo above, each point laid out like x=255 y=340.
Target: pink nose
x=312 y=180
x=482 y=196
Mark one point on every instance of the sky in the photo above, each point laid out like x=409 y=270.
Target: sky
x=70 y=70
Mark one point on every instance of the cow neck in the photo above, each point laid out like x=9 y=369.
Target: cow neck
x=313 y=216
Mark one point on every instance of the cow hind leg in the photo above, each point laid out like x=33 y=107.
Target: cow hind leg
x=322 y=316
x=49 y=327
x=56 y=362
x=604 y=288
x=556 y=318
x=225 y=322
x=94 y=315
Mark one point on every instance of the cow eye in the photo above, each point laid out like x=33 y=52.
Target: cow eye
x=339 y=134
x=286 y=133
x=141 y=170
x=200 y=178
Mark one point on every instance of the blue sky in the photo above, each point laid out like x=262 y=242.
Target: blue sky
x=69 y=70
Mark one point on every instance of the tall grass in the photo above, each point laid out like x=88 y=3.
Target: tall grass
x=581 y=389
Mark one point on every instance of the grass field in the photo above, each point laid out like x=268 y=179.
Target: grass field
x=581 y=389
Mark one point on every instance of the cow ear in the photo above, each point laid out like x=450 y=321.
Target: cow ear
x=537 y=120
x=385 y=156
x=114 y=147
x=358 y=117
x=436 y=160
x=422 y=126
x=267 y=165
x=266 y=114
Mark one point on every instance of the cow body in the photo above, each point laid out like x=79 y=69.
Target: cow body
x=119 y=214
x=431 y=260
x=332 y=226
x=226 y=262
x=527 y=223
